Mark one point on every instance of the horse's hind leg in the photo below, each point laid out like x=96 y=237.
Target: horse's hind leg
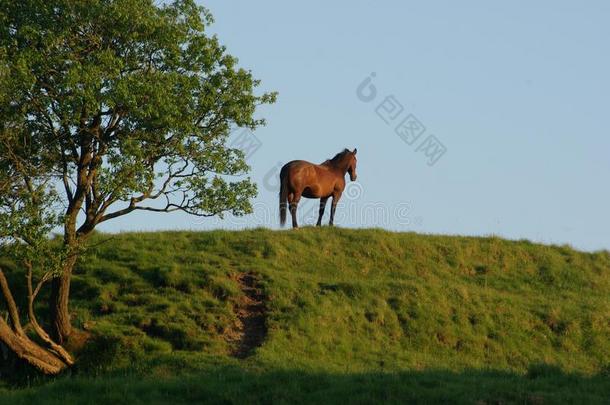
x=294 y=199
x=321 y=213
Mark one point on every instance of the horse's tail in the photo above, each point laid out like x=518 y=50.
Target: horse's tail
x=283 y=196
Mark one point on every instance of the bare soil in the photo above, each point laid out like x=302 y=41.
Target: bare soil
x=251 y=329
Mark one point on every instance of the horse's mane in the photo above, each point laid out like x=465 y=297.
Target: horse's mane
x=338 y=157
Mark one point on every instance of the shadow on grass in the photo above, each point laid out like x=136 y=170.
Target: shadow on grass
x=233 y=384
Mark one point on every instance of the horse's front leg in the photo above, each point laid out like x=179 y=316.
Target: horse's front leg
x=294 y=201
x=322 y=207
x=333 y=207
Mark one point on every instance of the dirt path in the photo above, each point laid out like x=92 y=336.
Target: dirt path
x=251 y=329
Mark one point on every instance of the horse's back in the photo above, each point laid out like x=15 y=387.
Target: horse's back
x=298 y=168
x=315 y=181
x=296 y=164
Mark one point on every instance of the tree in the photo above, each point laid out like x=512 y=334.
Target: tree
x=108 y=107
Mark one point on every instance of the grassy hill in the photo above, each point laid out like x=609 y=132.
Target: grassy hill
x=341 y=315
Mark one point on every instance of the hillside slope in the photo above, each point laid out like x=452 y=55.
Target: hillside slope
x=365 y=313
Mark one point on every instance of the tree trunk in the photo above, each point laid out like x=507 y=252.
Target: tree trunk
x=13 y=336
x=61 y=328
x=27 y=350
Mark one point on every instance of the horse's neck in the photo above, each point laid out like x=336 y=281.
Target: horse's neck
x=340 y=166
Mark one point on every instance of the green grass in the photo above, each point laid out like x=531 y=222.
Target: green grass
x=353 y=315
x=236 y=385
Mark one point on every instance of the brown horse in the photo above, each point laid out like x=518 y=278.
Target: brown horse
x=303 y=179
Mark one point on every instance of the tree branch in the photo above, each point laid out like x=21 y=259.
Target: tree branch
x=42 y=334
x=10 y=303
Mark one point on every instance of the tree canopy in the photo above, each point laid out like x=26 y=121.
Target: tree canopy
x=122 y=102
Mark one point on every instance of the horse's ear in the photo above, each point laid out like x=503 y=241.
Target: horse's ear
x=355 y=151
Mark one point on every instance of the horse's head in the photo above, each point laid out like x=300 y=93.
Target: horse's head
x=351 y=167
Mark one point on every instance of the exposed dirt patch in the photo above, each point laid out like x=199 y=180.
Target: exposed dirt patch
x=251 y=329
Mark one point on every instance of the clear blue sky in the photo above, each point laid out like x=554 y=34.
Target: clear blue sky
x=518 y=92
